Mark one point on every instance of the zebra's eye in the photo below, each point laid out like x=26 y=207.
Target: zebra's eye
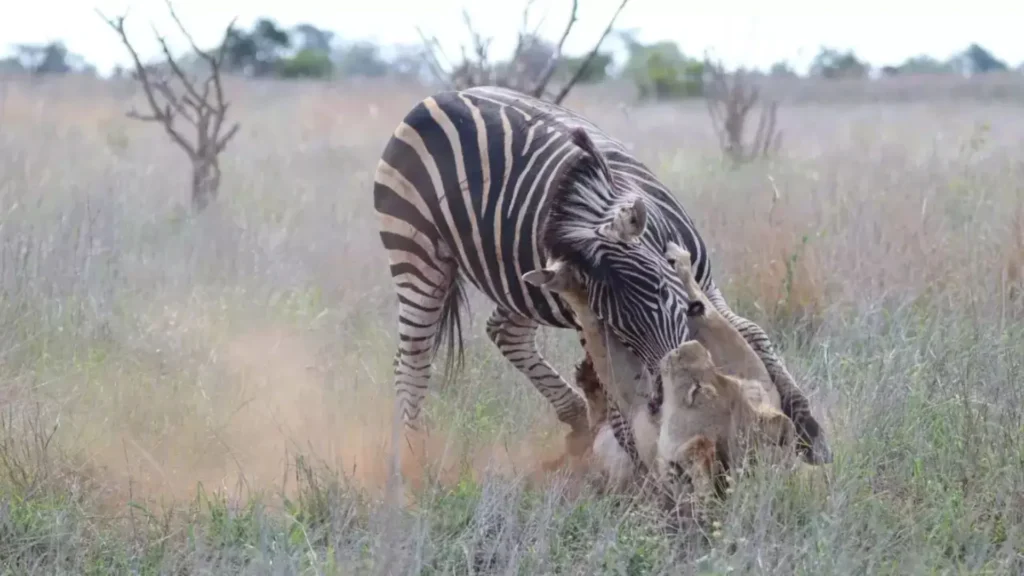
x=663 y=290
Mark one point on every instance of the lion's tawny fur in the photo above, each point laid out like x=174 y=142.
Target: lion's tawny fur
x=729 y=349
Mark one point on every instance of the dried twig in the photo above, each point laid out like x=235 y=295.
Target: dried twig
x=201 y=104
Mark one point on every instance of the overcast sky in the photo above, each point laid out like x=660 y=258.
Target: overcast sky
x=751 y=33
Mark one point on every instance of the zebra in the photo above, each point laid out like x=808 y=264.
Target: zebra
x=495 y=189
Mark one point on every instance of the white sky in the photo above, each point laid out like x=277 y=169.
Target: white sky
x=747 y=32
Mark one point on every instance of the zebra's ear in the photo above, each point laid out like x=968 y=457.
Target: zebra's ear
x=628 y=224
x=556 y=277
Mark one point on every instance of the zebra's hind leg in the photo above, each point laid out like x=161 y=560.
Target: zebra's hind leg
x=421 y=313
x=516 y=338
x=812 y=442
x=428 y=298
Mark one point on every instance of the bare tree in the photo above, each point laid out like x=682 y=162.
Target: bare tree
x=530 y=69
x=730 y=99
x=199 y=102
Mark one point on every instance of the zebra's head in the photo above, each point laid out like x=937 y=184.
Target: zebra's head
x=603 y=235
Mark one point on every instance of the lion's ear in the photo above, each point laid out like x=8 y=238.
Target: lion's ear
x=557 y=277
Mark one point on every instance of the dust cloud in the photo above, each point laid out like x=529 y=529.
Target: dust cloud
x=274 y=405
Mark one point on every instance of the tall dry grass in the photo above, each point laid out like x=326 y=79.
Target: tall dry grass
x=212 y=395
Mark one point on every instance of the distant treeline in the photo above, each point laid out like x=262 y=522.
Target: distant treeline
x=659 y=70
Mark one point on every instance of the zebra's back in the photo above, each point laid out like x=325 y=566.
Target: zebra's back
x=467 y=176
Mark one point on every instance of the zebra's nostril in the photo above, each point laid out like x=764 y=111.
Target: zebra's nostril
x=695 y=308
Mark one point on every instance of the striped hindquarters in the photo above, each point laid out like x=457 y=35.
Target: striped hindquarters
x=467 y=178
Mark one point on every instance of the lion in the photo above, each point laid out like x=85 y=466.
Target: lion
x=731 y=352
x=706 y=412
x=609 y=460
x=729 y=349
x=720 y=405
x=712 y=422
x=709 y=424
x=609 y=376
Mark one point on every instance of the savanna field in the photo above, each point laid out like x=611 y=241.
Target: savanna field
x=212 y=395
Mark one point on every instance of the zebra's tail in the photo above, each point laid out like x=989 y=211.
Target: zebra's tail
x=450 y=330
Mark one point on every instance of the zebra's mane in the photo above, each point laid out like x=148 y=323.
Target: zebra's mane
x=585 y=198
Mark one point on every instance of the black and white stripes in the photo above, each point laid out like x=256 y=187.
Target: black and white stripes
x=485 y=185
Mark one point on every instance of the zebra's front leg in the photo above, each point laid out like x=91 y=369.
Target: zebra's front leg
x=516 y=338
x=813 y=444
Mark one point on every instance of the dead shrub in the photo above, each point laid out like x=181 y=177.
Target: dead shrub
x=730 y=99
x=200 y=103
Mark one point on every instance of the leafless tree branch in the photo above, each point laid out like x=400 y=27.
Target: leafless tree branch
x=522 y=72
x=549 y=70
x=191 y=101
x=522 y=34
x=431 y=52
x=590 y=57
